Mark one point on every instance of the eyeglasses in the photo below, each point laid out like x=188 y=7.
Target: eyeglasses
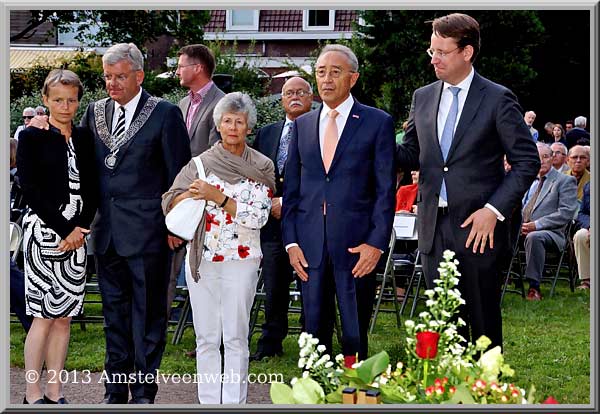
x=435 y=53
x=185 y=66
x=300 y=93
x=119 y=78
x=334 y=73
x=578 y=157
x=28 y=116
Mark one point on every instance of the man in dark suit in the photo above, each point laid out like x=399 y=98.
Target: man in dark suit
x=338 y=203
x=459 y=129
x=195 y=68
x=578 y=135
x=141 y=145
x=273 y=141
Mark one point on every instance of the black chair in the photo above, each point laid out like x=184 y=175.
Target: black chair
x=416 y=283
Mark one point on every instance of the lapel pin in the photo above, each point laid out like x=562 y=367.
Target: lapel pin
x=355 y=116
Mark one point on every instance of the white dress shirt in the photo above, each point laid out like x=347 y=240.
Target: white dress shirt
x=340 y=120
x=129 y=111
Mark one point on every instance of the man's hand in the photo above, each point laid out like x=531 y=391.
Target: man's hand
x=483 y=222
x=276 y=207
x=174 y=242
x=527 y=228
x=74 y=240
x=369 y=256
x=40 y=122
x=298 y=262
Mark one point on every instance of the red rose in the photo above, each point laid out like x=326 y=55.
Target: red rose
x=550 y=400
x=243 y=251
x=427 y=343
x=218 y=258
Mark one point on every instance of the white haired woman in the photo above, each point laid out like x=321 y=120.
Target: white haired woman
x=224 y=256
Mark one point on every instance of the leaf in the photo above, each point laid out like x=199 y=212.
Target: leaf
x=307 y=391
x=335 y=397
x=281 y=393
x=372 y=367
x=461 y=396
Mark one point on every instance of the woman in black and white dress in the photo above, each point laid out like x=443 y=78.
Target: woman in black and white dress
x=56 y=169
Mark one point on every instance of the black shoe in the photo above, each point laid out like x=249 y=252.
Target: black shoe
x=260 y=355
x=141 y=400
x=114 y=399
x=61 y=400
x=40 y=401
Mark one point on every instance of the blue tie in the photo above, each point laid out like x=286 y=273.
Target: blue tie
x=284 y=143
x=448 y=133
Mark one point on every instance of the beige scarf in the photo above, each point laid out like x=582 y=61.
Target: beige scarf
x=228 y=167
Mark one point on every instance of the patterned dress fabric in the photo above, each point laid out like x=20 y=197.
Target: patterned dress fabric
x=54 y=280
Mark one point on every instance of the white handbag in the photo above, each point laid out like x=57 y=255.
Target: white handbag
x=183 y=219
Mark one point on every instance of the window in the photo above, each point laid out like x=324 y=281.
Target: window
x=318 y=19
x=241 y=19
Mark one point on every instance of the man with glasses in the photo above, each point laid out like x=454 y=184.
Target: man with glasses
x=338 y=203
x=579 y=158
x=548 y=206
x=273 y=141
x=559 y=151
x=458 y=131
x=141 y=145
x=28 y=115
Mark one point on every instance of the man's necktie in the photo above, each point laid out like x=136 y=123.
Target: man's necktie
x=531 y=203
x=195 y=101
x=284 y=143
x=330 y=139
x=448 y=133
x=120 y=128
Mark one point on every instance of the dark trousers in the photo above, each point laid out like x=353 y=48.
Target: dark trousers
x=480 y=280
x=134 y=295
x=17 y=296
x=355 y=301
x=277 y=276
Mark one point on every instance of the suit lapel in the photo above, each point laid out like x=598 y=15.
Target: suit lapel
x=550 y=182
x=431 y=119
x=274 y=141
x=474 y=98
x=109 y=110
x=125 y=147
x=208 y=98
x=352 y=124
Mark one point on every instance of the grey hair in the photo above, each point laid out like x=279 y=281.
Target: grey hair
x=530 y=112
x=544 y=146
x=40 y=108
x=562 y=146
x=28 y=109
x=307 y=84
x=580 y=121
x=237 y=103
x=124 y=51
x=345 y=50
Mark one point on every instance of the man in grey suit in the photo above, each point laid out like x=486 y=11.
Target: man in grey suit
x=195 y=69
x=459 y=129
x=547 y=209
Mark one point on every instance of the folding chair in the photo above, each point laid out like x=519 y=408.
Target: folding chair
x=384 y=276
x=416 y=282
x=557 y=260
x=183 y=321
x=513 y=276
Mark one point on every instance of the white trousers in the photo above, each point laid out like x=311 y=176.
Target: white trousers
x=581 y=244
x=221 y=302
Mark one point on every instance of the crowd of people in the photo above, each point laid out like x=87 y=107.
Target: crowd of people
x=315 y=195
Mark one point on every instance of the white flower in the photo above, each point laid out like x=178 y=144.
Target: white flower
x=339 y=358
x=321 y=348
x=305 y=374
x=423 y=314
x=314 y=341
x=375 y=384
x=409 y=323
x=304 y=352
x=301 y=362
x=383 y=380
x=328 y=364
x=429 y=303
x=357 y=364
x=429 y=293
x=293 y=381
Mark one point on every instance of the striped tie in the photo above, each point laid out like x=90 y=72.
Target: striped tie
x=120 y=128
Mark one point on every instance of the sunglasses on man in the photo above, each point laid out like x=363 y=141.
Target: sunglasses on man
x=28 y=116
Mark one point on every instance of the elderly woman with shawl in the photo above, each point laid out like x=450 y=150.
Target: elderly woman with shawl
x=224 y=255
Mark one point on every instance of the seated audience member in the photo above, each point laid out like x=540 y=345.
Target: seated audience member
x=568 y=125
x=548 y=136
x=548 y=207
x=581 y=240
x=578 y=161
x=559 y=134
x=407 y=194
x=578 y=135
x=28 y=114
x=559 y=151
x=529 y=119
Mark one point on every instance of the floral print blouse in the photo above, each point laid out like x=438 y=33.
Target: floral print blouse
x=236 y=238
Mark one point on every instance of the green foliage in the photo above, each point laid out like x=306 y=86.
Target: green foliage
x=106 y=27
x=161 y=86
x=391 y=49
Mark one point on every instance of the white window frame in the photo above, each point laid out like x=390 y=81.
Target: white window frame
x=306 y=27
x=229 y=21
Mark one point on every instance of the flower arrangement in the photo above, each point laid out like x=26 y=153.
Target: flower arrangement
x=438 y=367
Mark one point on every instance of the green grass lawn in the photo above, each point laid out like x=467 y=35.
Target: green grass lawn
x=547 y=344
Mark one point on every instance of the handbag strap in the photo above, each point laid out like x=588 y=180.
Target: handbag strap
x=200 y=167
